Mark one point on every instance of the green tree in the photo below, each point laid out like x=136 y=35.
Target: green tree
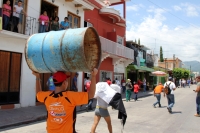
x=180 y=73
x=161 y=54
x=139 y=41
x=135 y=41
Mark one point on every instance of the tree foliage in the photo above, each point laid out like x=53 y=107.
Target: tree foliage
x=180 y=73
x=161 y=54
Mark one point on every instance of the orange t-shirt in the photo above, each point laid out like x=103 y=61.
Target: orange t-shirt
x=61 y=109
x=158 y=89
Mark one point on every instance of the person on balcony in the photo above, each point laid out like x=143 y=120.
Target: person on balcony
x=55 y=24
x=43 y=19
x=16 y=15
x=6 y=14
x=64 y=25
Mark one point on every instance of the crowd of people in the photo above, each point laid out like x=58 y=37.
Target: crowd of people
x=16 y=12
x=46 y=23
x=51 y=24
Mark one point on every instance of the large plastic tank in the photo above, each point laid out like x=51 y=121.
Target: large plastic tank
x=69 y=50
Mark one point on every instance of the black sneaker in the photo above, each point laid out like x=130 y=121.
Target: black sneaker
x=169 y=110
x=86 y=109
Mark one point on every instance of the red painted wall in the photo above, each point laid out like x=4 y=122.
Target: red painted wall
x=103 y=24
x=105 y=65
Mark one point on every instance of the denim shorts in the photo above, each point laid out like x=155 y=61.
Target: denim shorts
x=102 y=112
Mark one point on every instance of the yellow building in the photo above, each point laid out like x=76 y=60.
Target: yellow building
x=170 y=62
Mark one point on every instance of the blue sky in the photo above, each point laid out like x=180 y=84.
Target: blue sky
x=172 y=24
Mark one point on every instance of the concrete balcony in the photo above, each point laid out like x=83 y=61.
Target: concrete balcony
x=114 y=15
x=115 y=50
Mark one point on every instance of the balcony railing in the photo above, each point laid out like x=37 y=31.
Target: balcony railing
x=26 y=25
x=116 y=48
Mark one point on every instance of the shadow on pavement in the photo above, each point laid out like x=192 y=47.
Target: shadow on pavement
x=176 y=112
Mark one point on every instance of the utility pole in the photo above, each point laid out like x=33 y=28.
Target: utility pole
x=173 y=61
x=190 y=73
x=165 y=65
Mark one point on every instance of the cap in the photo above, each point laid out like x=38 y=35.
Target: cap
x=60 y=77
x=129 y=80
x=170 y=78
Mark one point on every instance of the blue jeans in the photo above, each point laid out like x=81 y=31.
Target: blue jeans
x=6 y=20
x=144 y=87
x=42 y=28
x=124 y=88
x=189 y=85
x=158 y=96
x=171 y=100
x=136 y=96
x=198 y=104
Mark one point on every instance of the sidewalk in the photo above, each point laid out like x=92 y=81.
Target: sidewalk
x=14 y=117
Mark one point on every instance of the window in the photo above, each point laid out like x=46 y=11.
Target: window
x=10 y=72
x=87 y=24
x=74 y=21
x=104 y=75
x=120 y=40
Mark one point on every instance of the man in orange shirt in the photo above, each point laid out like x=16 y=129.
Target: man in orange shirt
x=60 y=104
x=136 y=90
x=157 y=94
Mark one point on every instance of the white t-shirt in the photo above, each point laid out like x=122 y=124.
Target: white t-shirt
x=117 y=82
x=172 y=86
x=116 y=88
x=18 y=11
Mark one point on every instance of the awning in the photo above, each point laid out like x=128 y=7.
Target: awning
x=140 y=68
x=143 y=69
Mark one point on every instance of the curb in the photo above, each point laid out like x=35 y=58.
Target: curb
x=44 y=117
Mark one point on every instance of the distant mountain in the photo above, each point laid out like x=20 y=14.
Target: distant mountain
x=195 y=65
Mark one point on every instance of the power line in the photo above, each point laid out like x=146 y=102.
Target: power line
x=174 y=15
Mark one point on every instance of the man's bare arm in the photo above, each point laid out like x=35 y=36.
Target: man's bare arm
x=197 y=89
x=93 y=84
x=38 y=85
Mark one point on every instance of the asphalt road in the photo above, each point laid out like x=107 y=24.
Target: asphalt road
x=142 y=117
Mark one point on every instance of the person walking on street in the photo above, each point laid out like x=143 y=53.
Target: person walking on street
x=123 y=82
x=129 y=88
x=144 y=85
x=198 y=96
x=74 y=83
x=89 y=106
x=60 y=104
x=169 y=88
x=117 y=82
x=85 y=84
x=157 y=94
x=101 y=111
x=136 y=90
x=188 y=82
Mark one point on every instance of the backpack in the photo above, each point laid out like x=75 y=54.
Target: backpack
x=167 y=89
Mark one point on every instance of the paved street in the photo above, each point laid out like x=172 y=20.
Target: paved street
x=142 y=117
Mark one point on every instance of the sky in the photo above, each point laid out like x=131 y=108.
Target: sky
x=172 y=24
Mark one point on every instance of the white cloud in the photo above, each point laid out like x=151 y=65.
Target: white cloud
x=134 y=7
x=177 y=8
x=153 y=33
x=189 y=9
